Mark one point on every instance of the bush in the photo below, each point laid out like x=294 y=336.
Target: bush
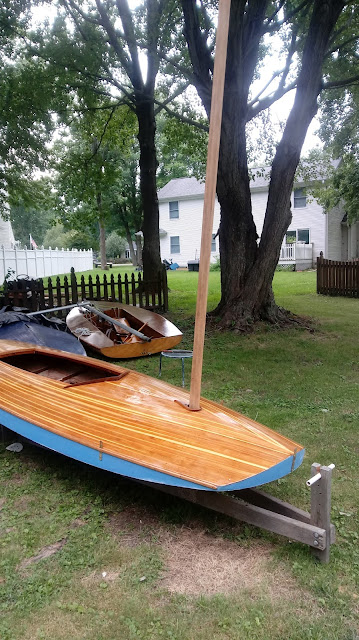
x=115 y=245
x=216 y=266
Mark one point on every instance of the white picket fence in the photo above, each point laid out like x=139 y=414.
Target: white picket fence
x=42 y=263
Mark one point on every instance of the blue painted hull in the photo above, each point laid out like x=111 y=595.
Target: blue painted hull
x=107 y=462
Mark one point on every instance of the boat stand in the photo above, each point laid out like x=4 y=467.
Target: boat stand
x=265 y=511
x=262 y=510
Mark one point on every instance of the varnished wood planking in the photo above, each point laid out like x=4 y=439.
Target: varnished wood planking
x=157 y=322
x=171 y=427
x=164 y=334
x=136 y=418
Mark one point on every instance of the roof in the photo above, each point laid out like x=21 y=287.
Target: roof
x=191 y=187
x=180 y=188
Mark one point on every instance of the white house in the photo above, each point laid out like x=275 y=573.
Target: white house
x=7 y=239
x=310 y=233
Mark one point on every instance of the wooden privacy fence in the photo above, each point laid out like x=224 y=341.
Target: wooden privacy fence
x=336 y=278
x=35 y=294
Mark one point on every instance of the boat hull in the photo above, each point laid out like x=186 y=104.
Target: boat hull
x=106 y=462
x=128 y=423
x=164 y=335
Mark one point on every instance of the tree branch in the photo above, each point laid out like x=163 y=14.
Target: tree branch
x=97 y=144
x=75 y=7
x=269 y=100
x=113 y=39
x=274 y=76
x=127 y=25
x=182 y=118
x=289 y=16
x=346 y=82
x=271 y=18
x=201 y=59
x=341 y=45
x=154 y=9
x=172 y=97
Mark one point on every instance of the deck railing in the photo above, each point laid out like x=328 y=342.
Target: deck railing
x=287 y=253
x=296 y=252
x=336 y=278
x=41 y=294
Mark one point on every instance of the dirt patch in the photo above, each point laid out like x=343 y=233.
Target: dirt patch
x=45 y=552
x=78 y=522
x=17 y=480
x=2 y=502
x=22 y=503
x=200 y=564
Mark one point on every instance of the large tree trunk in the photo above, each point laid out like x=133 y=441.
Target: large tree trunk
x=148 y=166
x=247 y=270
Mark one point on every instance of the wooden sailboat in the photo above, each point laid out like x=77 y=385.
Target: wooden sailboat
x=131 y=424
x=153 y=333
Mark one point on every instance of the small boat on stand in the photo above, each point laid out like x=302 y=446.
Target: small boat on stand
x=119 y=330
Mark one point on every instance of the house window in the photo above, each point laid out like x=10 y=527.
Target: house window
x=127 y=254
x=174 y=211
x=303 y=236
x=300 y=199
x=175 y=244
x=213 y=247
x=290 y=237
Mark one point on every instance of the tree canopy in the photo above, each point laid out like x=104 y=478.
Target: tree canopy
x=26 y=121
x=307 y=47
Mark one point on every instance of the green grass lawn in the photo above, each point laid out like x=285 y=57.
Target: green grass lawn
x=132 y=564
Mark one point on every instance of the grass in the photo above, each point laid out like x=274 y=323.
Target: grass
x=115 y=270
x=112 y=579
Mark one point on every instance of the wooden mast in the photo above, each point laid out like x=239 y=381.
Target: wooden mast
x=209 y=200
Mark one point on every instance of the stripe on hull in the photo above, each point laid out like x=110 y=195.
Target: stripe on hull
x=107 y=462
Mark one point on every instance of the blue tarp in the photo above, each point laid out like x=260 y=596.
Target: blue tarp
x=17 y=326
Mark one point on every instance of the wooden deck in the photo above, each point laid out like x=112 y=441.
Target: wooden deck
x=136 y=418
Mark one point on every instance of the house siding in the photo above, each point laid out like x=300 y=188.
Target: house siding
x=7 y=239
x=310 y=217
x=188 y=227
x=325 y=233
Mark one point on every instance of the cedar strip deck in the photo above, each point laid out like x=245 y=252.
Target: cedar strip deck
x=136 y=418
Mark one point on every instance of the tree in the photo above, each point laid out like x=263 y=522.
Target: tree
x=339 y=131
x=103 y=54
x=26 y=122
x=35 y=218
x=115 y=245
x=90 y=169
x=181 y=148
x=313 y=31
x=127 y=210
